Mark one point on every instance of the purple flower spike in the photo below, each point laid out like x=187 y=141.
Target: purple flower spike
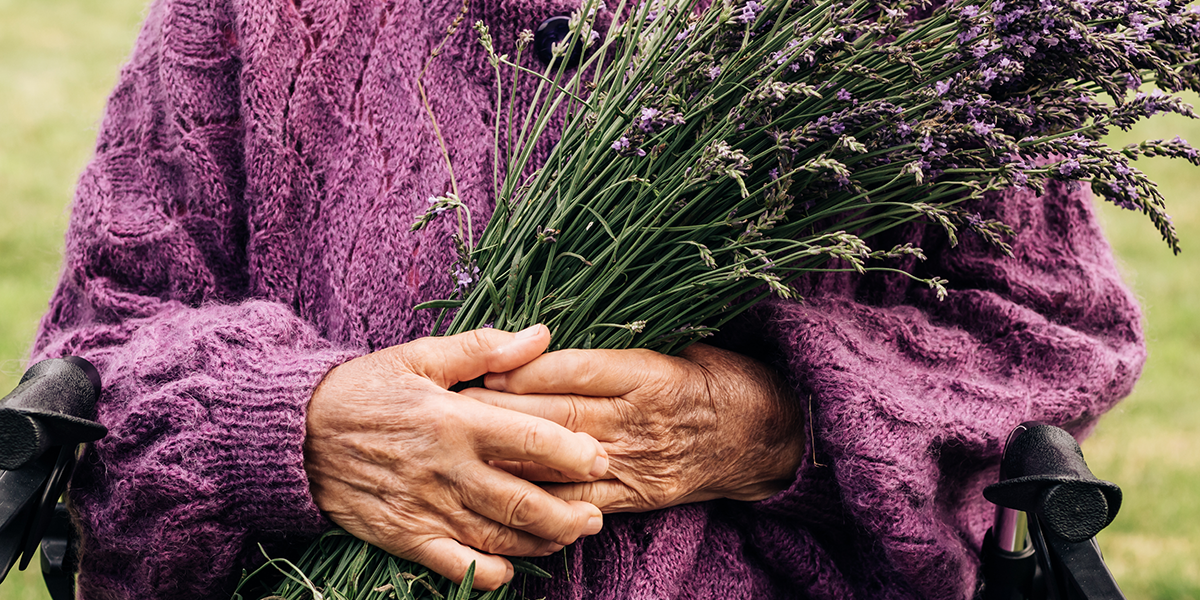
x=749 y=12
x=844 y=96
x=464 y=276
x=982 y=128
x=646 y=121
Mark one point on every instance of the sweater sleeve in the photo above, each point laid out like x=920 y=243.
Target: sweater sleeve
x=910 y=399
x=205 y=382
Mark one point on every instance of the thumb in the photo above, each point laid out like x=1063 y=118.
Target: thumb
x=466 y=356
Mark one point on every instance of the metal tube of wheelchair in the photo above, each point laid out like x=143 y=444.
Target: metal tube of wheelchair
x=1009 y=564
x=1011 y=529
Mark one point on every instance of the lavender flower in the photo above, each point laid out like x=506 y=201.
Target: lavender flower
x=646 y=120
x=464 y=277
x=982 y=128
x=652 y=120
x=749 y=12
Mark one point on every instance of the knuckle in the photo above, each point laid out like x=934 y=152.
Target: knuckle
x=475 y=343
x=574 y=416
x=496 y=539
x=537 y=441
x=521 y=510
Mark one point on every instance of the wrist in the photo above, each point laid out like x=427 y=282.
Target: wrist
x=768 y=444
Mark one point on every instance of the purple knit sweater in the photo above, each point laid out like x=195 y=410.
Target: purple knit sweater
x=244 y=227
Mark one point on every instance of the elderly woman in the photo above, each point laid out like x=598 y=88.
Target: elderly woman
x=239 y=266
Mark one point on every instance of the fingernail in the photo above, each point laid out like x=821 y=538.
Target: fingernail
x=528 y=332
x=554 y=548
x=599 y=466
x=594 y=525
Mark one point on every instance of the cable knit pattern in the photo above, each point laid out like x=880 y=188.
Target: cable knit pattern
x=243 y=228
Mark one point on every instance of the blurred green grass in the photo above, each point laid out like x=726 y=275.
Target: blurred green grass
x=1150 y=444
x=59 y=59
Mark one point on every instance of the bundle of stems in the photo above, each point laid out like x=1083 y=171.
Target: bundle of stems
x=348 y=567
x=721 y=153
x=710 y=157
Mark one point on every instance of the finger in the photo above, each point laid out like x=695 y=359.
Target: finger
x=501 y=434
x=583 y=372
x=521 y=505
x=600 y=417
x=532 y=472
x=465 y=356
x=609 y=495
x=452 y=559
x=487 y=535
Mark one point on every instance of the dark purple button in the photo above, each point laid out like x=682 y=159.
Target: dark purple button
x=551 y=31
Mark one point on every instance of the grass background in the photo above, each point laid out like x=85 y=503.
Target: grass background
x=59 y=59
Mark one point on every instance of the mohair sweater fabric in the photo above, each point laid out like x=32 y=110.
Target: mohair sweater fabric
x=244 y=227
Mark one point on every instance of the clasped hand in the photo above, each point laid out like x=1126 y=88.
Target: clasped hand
x=446 y=478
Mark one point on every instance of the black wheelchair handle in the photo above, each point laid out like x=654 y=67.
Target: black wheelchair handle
x=1043 y=473
x=53 y=405
x=1049 y=507
x=44 y=423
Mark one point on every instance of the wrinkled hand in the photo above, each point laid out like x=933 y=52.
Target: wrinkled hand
x=399 y=461
x=708 y=424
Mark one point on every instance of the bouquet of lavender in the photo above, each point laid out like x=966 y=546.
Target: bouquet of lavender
x=710 y=157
